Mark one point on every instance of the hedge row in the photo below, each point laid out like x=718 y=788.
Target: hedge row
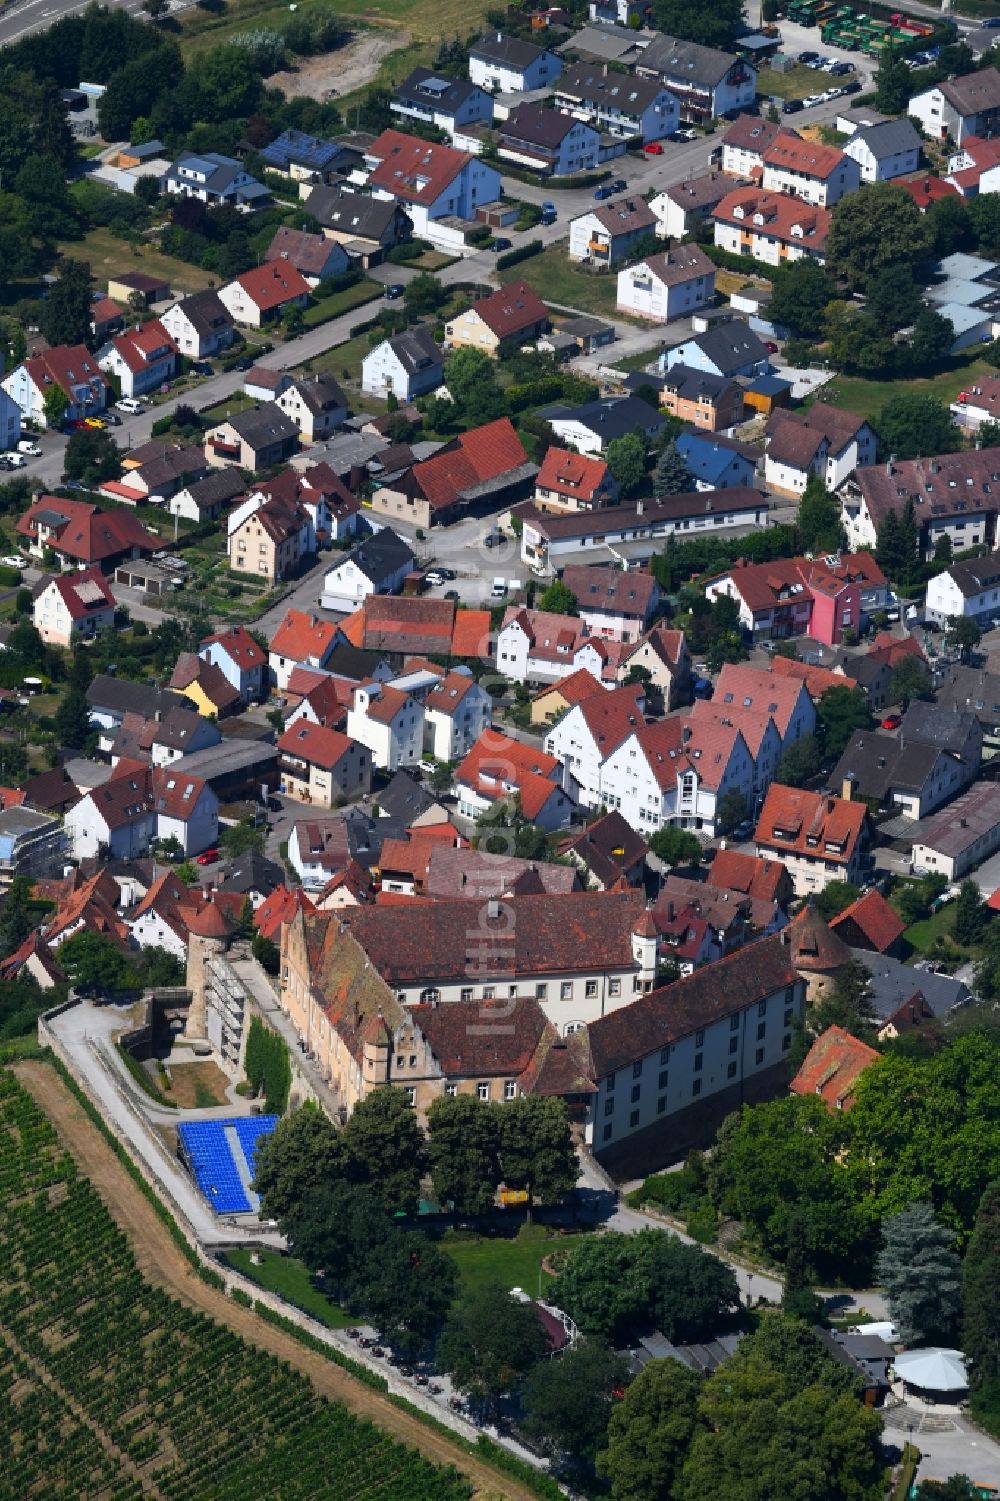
x=268 y=1066
x=512 y=257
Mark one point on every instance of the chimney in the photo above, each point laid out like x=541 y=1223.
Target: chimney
x=846 y=789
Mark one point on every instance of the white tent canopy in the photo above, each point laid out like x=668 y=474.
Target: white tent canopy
x=933 y=1369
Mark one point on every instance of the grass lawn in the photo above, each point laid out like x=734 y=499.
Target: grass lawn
x=867 y=397
x=637 y=361
x=107 y=255
x=514 y=1261
x=427 y=20
x=795 y=84
x=326 y=308
x=559 y=280
x=290 y=1279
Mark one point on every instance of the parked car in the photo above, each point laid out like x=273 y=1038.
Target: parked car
x=130 y=404
x=792 y=106
x=742 y=831
x=246 y=363
x=208 y=857
x=807 y=57
x=12 y=561
x=549 y=212
x=854 y=87
x=447 y=573
x=14 y=461
x=892 y=721
x=686 y=134
x=653 y=148
x=112 y=419
x=433 y=579
x=95 y=422
x=771 y=347
x=394 y=290
x=604 y=191
x=31 y=449
x=841 y=70
x=202 y=367
x=619 y=185
x=500 y=242
x=811 y=100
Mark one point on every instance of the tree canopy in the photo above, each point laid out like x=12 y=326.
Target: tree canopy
x=872 y=230
x=489 y=1342
x=839 y=713
x=921 y=1274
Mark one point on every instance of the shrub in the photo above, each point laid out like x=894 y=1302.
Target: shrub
x=513 y=257
x=268 y=1066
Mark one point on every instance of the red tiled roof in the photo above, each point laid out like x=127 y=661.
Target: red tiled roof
x=779 y=216
x=832 y=1068
x=927 y=190
x=66 y=365
x=792 y=153
x=483 y=454
x=413 y=170
x=869 y=923
x=307 y=252
x=315 y=743
x=630 y=593
x=571 y=474
x=469 y=1042
x=511 y=310
x=763 y=585
x=496 y=763
x=761 y=878
x=238 y=643
x=574 y=688
x=144 y=345
x=751 y=133
x=300 y=637
x=470 y=635
x=792 y=816
x=741 y=686
x=817 y=679
x=84 y=593
x=278 y=908
x=612 y=715
x=272 y=284
x=89 y=534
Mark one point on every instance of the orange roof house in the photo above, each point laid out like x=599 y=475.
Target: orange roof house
x=870 y=923
x=569 y=481
x=819 y=838
x=832 y=1068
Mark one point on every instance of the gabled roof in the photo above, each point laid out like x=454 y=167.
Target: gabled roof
x=84 y=532
x=412 y=169
x=795 y=438
x=511 y=310
x=449 y=692
x=493 y=767
x=191 y=670
x=308 y=253
x=312 y=152
x=273 y=284
x=744 y=687
x=301 y=637
x=810 y=823
x=927 y=189
x=869 y=922
x=946 y=485
x=84 y=594
x=537 y=126
x=511 y=51
x=319 y=392
x=791 y=153
x=574 y=688
x=730 y=346
x=751 y=133
x=686 y=62
x=575 y=475
x=832 y=1068
x=279 y=908
x=416 y=349
x=676 y=265
x=594 y=85
x=354 y=213
x=380 y=556
x=608 y=847
x=315 y=743
x=973 y=92
x=779 y=216
x=623 y=216
x=818 y=680
x=239 y=646
x=631 y=593
x=690 y=1004
x=67 y=365
x=144 y=345
x=481 y=1041
x=262 y=426
x=430 y=88
x=477 y=457
x=476 y=875
x=888 y=138
x=757 y=877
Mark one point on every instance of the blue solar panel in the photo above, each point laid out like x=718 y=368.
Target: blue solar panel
x=211 y=1160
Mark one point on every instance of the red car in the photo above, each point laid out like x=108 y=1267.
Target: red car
x=653 y=148
x=892 y=721
x=771 y=347
x=208 y=857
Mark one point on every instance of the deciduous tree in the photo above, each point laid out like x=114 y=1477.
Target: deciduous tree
x=650 y=1432
x=913 y=427
x=304 y=1154
x=839 y=713
x=385 y=1139
x=627 y=462
x=818 y=520
x=464 y=1151
x=568 y=1402
x=871 y=230
x=981 y=1294
x=536 y=1148
x=489 y=1342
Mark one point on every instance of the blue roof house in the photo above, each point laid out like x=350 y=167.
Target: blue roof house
x=716 y=463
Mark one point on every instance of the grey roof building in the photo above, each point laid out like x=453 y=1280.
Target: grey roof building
x=351 y=216
x=894 y=983
x=405 y=800
x=215 y=179
x=252 y=872
x=940 y=726
x=972 y=690
x=725 y=349
x=381 y=556
x=428 y=95
x=416 y=349
x=112 y=698
x=263 y=425
x=607 y=418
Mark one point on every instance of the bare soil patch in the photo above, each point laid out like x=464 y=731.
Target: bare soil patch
x=194 y=1085
x=340 y=72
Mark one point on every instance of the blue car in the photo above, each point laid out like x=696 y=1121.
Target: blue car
x=605 y=191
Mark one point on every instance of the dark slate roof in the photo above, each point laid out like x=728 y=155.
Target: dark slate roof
x=610 y=416
x=252 y=872
x=352 y=213
x=972 y=689
x=497 y=48
x=425 y=86
x=404 y=799
x=936 y=724
x=893 y=983
x=671 y=58
x=263 y=425
x=381 y=555
x=876 y=762
x=730 y=346
x=120 y=696
x=416 y=349
x=888 y=138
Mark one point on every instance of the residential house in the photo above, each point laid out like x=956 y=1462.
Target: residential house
x=620 y=104
x=538 y=646
x=316 y=405
x=257 y=438
x=885 y=151
x=408 y=626
x=206 y=499
x=771 y=227
x=590 y=427
x=271 y=541
x=613 y=603
x=261 y=295
x=972 y=169
x=818 y=838
x=453 y=871
x=672 y=284
x=607 y=235
x=111 y=699
x=667 y=1071
x=664 y=655
x=870 y=923
x=156 y=469
x=138 y=289
x=819 y=175
x=763 y=880
x=676 y=772
x=962 y=837
x=143 y=358
x=432 y=183
x=456 y=712
x=742 y=687
x=321 y=766
x=707 y=82
x=449 y=104
x=499 y=769
x=959 y=107
x=821 y=441
x=378 y=565
x=967 y=590
x=239 y=658
x=608 y=852
x=976 y=689
x=69 y=367
x=334 y=513
x=138 y=804
x=262 y=384
x=366 y=227
x=408 y=365
x=567 y=481
x=926 y=191
x=589 y=733
x=313 y=256
x=820 y=598
x=873 y=671
x=480 y=471
x=302 y=157
x=82 y=535
x=106 y=317
x=832 y=1067
x=552 y=701
x=390 y=722
x=954 y=495
x=549 y=541
x=710 y=402
x=73 y=607
x=204 y=687
x=818 y=680
x=300 y=640
x=744 y=144
x=979 y=403
x=200 y=325
x=214 y=179
x=726 y=349
x=549 y=142
x=717 y=463
x=500 y=322
x=181 y=732
x=681 y=208
x=506 y=65
x=907 y=777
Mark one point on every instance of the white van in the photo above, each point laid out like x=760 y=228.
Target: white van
x=130 y=404
x=31 y=449
x=499 y=589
